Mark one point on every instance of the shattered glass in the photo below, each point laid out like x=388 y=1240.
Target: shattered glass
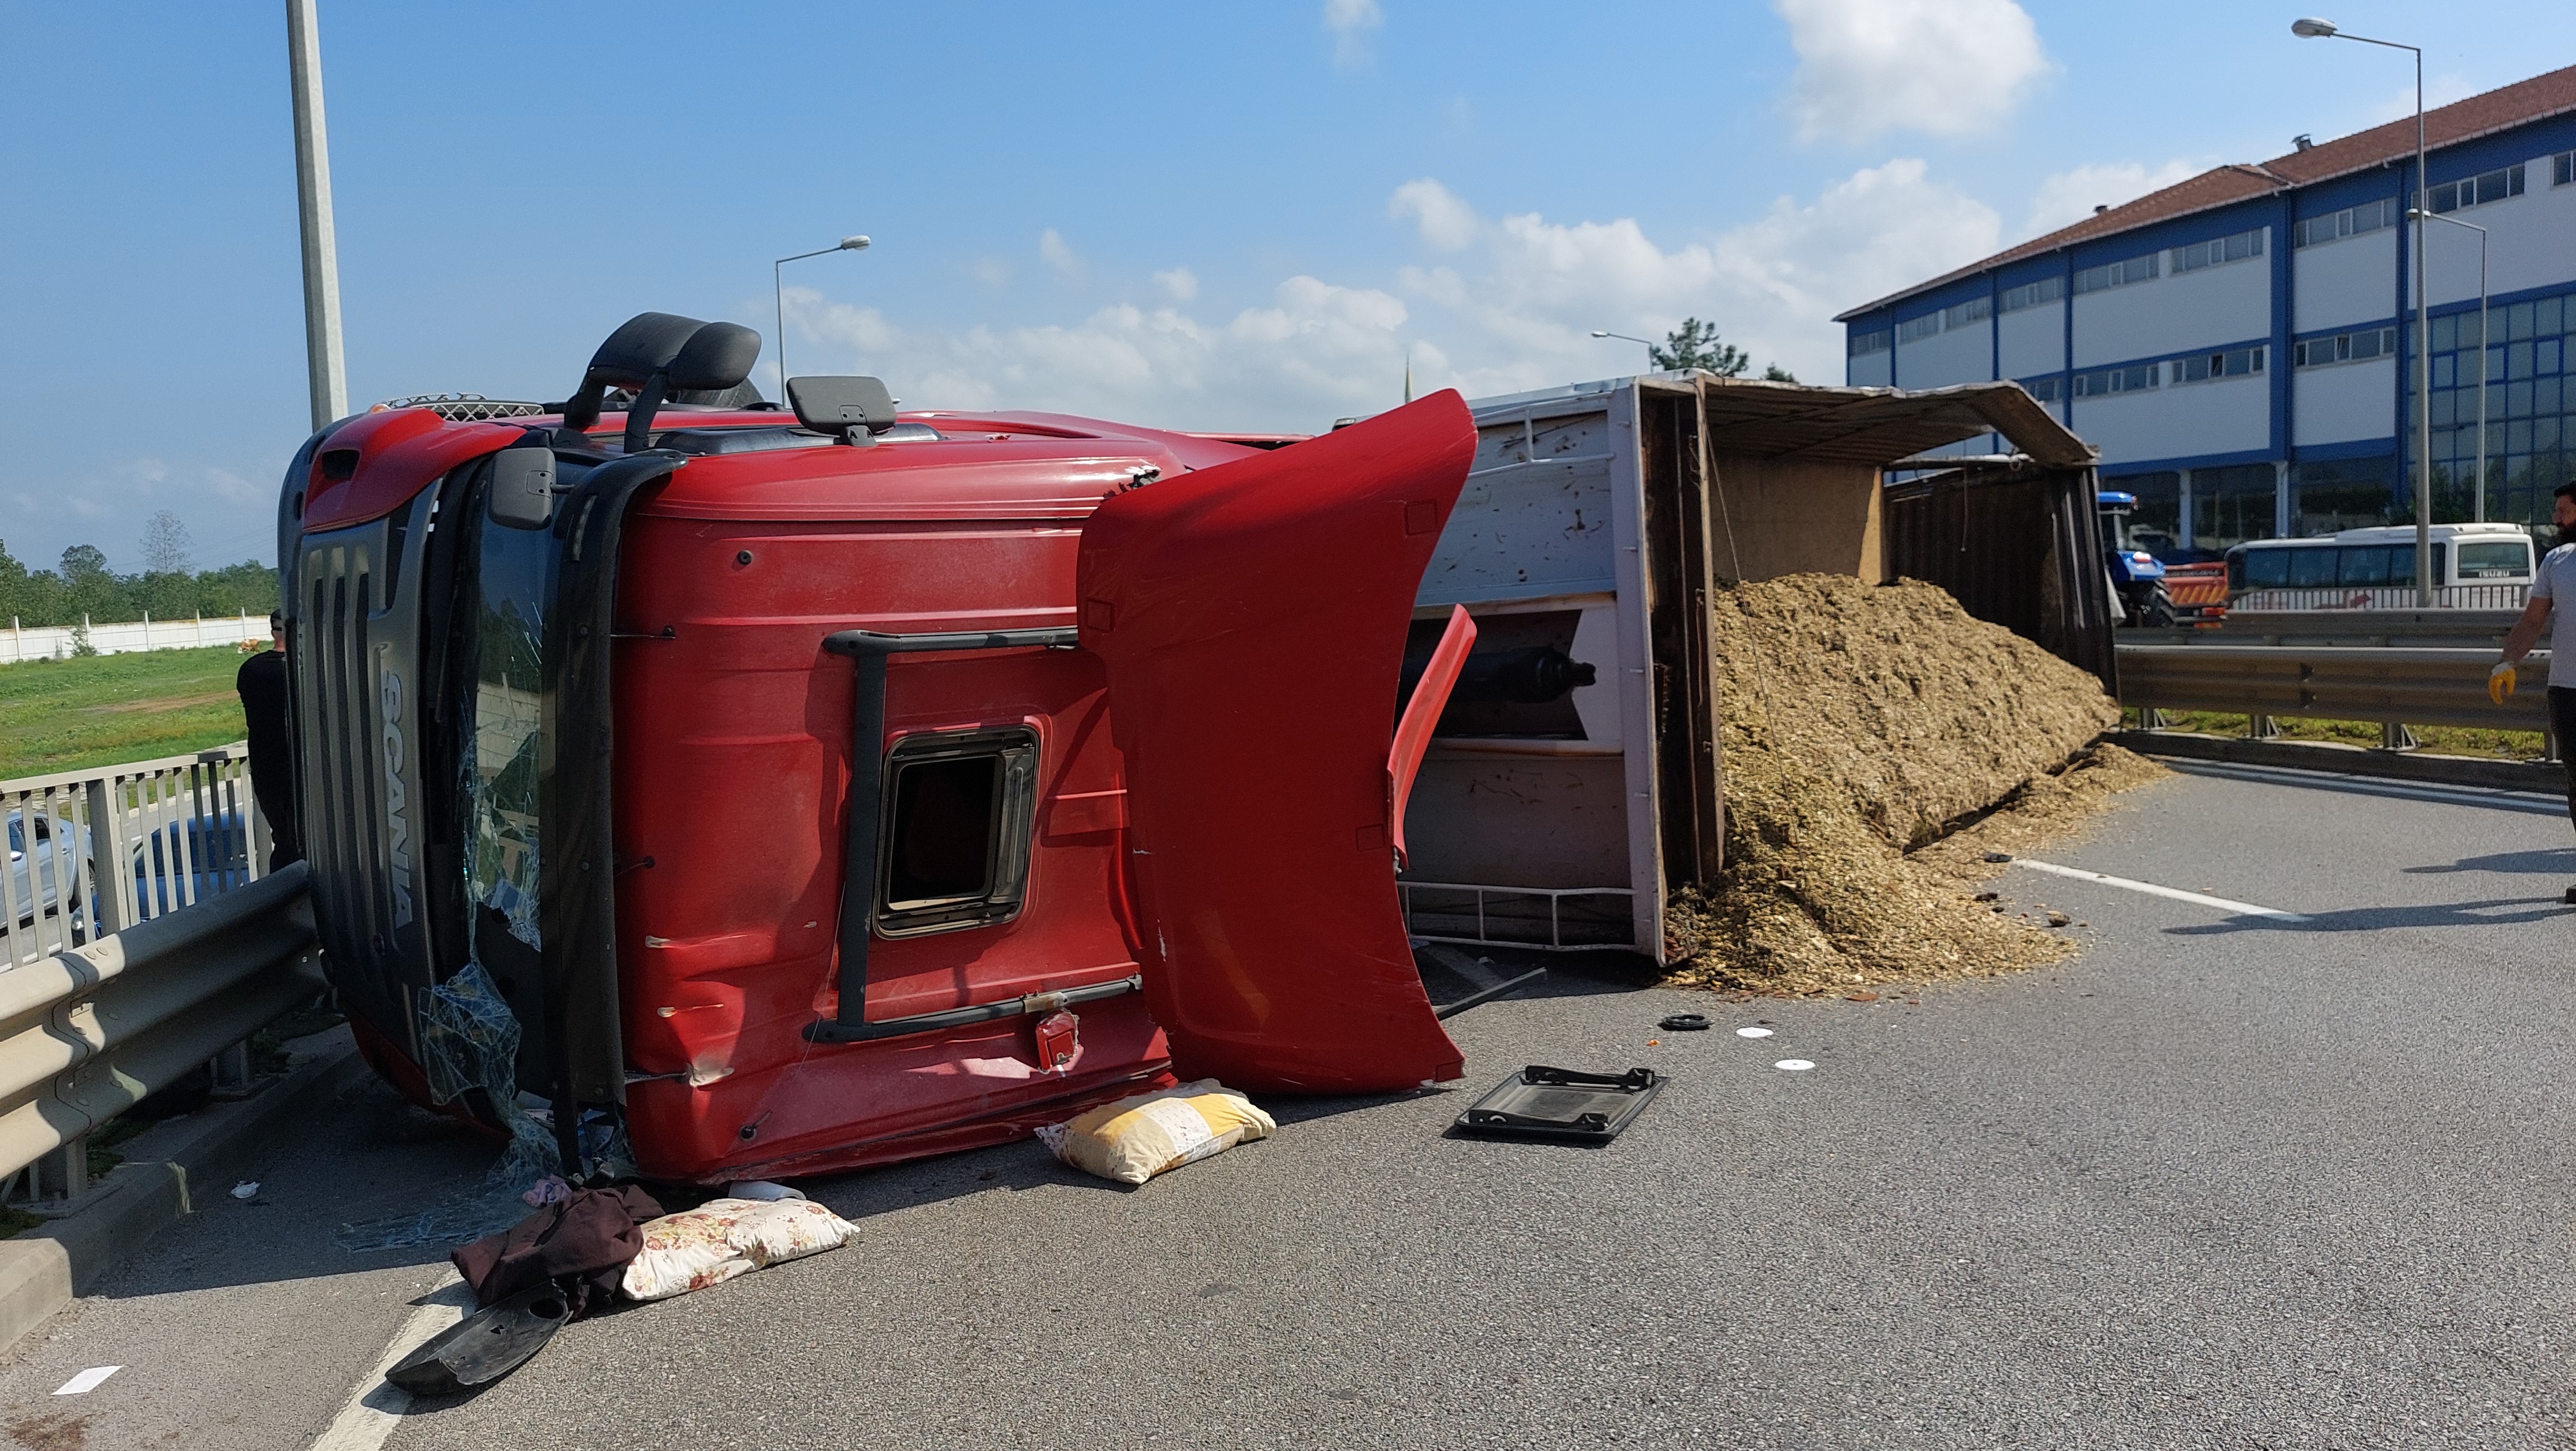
x=499 y=768
x=469 y=1037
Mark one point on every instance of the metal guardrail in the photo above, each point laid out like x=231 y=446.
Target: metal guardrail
x=181 y=829
x=88 y=1031
x=2455 y=629
x=2398 y=686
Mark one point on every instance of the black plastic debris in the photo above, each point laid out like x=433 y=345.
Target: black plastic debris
x=486 y=1345
x=1685 y=1023
x=1999 y=856
x=1540 y=1102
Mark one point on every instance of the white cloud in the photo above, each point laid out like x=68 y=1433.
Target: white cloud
x=1510 y=305
x=1180 y=284
x=1943 y=67
x=1351 y=22
x=2071 y=196
x=1051 y=246
x=1525 y=302
x=1315 y=352
x=1444 y=221
x=990 y=271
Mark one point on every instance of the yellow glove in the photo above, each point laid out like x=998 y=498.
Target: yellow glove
x=2500 y=681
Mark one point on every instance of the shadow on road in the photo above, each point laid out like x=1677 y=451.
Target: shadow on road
x=2374 y=919
x=2559 y=861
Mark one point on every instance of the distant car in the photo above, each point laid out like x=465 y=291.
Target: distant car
x=217 y=859
x=35 y=878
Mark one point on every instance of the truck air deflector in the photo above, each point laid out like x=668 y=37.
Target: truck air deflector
x=1252 y=621
x=864 y=825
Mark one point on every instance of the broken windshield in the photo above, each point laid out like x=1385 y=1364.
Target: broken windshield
x=503 y=733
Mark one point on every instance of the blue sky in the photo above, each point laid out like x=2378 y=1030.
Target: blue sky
x=1198 y=215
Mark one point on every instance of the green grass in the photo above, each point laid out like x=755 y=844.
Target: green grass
x=70 y=715
x=2440 y=740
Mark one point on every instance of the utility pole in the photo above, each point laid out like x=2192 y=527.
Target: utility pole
x=323 y=366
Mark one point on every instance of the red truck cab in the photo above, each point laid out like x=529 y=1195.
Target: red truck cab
x=752 y=793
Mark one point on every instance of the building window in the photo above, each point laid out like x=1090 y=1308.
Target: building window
x=2051 y=389
x=1863 y=344
x=1916 y=329
x=2342 y=494
x=2117 y=274
x=2562 y=168
x=2033 y=294
x=2231 y=505
x=2477 y=191
x=2230 y=363
x=2102 y=382
x=2350 y=222
x=1975 y=309
x=2218 y=250
x=2352 y=347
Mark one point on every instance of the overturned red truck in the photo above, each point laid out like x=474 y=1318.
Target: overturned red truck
x=762 y=792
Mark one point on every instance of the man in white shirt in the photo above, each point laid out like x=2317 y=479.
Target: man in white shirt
x=2557 y=574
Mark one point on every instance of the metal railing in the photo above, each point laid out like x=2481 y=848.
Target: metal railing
x=94 y=852
x=2398 y=668
x=2395 y=686
x=89 y=1031
x=2379 y=597
x=1513 y=916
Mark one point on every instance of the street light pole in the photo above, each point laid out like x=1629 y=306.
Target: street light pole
x=1623 y=337
x=2419 y=214
x=2314 y=29
x=326 y=374
x=778 y=295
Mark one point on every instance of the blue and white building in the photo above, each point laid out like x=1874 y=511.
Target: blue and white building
x=2232 y=344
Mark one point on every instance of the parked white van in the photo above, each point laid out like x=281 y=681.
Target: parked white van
x=2475 y=567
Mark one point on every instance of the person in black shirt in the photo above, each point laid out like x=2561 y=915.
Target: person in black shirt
x=262 y=684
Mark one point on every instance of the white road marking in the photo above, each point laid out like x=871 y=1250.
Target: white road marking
x=375 y=1405
x=2241 y=909
x=1793 y=1065
x=87 y=1381
x=1753 y=1032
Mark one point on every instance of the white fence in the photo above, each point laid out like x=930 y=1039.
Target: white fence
x=93 y=852
x=54 y=642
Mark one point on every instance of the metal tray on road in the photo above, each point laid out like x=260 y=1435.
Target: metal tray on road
x=1540 y=1102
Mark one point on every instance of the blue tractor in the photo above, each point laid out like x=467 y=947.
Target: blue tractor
x=2137 y=577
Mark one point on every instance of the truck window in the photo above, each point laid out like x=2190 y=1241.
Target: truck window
x=2495 y=559
x=501 y=734
x=953 y=843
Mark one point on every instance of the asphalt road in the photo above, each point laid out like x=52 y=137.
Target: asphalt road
x=2216 y=1182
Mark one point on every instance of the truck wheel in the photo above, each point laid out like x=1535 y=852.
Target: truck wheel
x=2156 y=611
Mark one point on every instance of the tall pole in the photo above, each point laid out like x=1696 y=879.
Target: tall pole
x=2424 y=367
x=325 y=372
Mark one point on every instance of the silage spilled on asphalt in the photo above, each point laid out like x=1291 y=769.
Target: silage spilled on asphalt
x=1877 y=740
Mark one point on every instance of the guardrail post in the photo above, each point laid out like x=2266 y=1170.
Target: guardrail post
x=2262 y=728
x=2152 y=719
x=65 y=1171
x=2396 y=737
x=230 y=1071
x=111 y=879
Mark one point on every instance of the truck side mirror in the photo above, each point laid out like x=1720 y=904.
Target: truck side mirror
x=522 y=495
x=848 y=408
